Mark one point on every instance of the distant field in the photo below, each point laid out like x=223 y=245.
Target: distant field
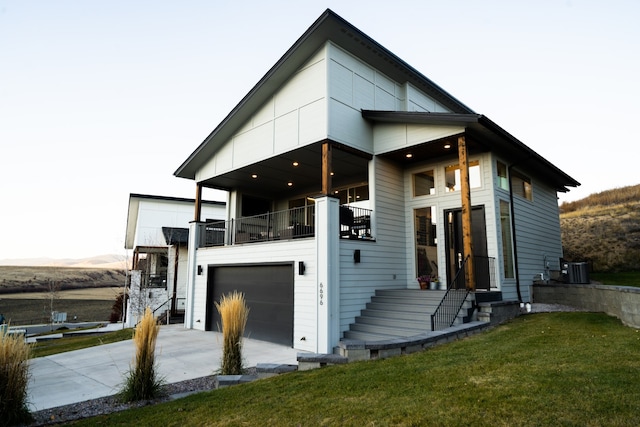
x=15 y=279
x=81 y=305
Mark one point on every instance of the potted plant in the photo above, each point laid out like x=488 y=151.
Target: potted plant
x=424 y=281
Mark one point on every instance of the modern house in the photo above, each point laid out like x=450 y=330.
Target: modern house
x=350 y=173
x=157 y=233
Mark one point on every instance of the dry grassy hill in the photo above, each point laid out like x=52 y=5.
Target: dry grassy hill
x=34 y=279
x=604 y=229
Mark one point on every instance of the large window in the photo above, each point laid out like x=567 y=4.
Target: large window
x=507 y=242
x=423 y=183
x=452 y=176
x=521 y=185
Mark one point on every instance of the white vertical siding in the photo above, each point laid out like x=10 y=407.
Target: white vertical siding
x=295 y=115
x=304 y=297
x=391 y=137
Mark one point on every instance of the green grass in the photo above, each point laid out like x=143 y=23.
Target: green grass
x=61 y=345
x=561 y=369
x=628 y=278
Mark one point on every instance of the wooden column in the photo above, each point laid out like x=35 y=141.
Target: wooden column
x=198 y=207
x=326 y=169
x=465 y=194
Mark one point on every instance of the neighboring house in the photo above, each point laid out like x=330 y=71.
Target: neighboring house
x=348 y=172
x=157 y=233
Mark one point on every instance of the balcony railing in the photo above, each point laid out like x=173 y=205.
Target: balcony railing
x=293 y=223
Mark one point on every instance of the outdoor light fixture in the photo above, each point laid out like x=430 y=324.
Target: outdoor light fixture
x=254 y=176
x=290 y=184
x=409 y=155
x=199 y=270
x=301 y=268
x=356 y=256
x=447 y=146
x=295 y=163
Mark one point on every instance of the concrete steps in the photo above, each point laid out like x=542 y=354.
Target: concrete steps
x=396 y=313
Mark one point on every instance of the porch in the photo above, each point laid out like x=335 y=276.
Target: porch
x=355 y=224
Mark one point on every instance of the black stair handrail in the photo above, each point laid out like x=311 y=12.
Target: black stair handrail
x=445 y=314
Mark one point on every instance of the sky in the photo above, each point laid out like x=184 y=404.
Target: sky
x=100 y=99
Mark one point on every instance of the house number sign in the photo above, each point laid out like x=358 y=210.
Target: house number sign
x=321 y=294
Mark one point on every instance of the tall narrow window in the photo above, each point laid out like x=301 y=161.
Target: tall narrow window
x=426 y=241
x=507 y=242
x=503 y=181
x=521 y=185
x=423 y=183
x=452 y=176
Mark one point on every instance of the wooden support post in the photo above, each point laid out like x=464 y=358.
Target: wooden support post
x=326 y=169
x=465 y=194
x=198 y=207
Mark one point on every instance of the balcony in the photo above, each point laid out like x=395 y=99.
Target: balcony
x=355 y=223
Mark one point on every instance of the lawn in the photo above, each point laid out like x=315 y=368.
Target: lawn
x=61 y=345
x=539 y=369
x=627 y=278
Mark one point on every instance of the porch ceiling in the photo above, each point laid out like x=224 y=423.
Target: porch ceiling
x=272 y=176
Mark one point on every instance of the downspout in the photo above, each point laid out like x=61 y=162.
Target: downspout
x=513 y=229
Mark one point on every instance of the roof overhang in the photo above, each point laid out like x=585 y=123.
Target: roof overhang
x=329 y=26
x=481 y=134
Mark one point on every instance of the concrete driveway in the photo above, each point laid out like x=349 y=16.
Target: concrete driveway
x=181 y=354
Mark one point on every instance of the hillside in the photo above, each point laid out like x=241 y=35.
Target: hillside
x=604 y=229
x=112 y=262
x=39 y=278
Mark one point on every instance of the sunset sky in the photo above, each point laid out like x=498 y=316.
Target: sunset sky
x=99 y=99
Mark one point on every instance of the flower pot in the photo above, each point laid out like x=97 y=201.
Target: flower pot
x=424 y=285
x=433 y=286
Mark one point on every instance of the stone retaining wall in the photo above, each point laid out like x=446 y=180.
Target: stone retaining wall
x=622 y=302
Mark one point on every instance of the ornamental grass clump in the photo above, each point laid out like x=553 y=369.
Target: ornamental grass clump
x=233 y=314
x=142 y=382
x=14 y=376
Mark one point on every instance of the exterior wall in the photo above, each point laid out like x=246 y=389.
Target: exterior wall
x=139 y=301
x=356 y=86
x=382 y=262
x=391 y=137
x=305 y=295
x=295 y=116
x=155 y=214
x=537 y=224
x=181 y=288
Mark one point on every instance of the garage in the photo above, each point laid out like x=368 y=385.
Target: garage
x=268 y=291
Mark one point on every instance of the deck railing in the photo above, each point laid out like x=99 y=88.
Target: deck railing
x=355 y=223
x=445 y=315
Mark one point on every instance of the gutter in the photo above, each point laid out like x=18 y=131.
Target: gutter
x=513 y=228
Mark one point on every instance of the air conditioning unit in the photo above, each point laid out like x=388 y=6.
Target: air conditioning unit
x=575 y=272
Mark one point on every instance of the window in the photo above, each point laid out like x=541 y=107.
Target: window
x=352 y=194
x=452 y=176
x=507 y=244
x=423 y=184
x=521 y=185
x=503 y=180
x=426 y=241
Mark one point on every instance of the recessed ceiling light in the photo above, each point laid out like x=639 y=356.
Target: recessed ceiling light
x=409 y=155
x=447 y=146
x=295 y=163
x=290 y=184
x=331 y=173
x=254 y=176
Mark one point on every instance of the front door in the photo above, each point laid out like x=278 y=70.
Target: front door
x=455 y=247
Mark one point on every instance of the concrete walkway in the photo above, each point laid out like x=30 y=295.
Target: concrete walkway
x=181 y=354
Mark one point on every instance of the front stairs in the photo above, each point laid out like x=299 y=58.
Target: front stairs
x=395 y=313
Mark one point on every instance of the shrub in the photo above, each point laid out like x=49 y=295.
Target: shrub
x=142 y=382
x=14 y=376
x=233 y=314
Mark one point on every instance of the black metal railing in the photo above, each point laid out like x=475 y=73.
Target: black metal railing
x=457 y=292
x=288 y=224
x=355 y=223
x=151 y=280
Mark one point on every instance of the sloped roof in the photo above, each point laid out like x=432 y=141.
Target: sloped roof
x=329 y=26
x=485 y=132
